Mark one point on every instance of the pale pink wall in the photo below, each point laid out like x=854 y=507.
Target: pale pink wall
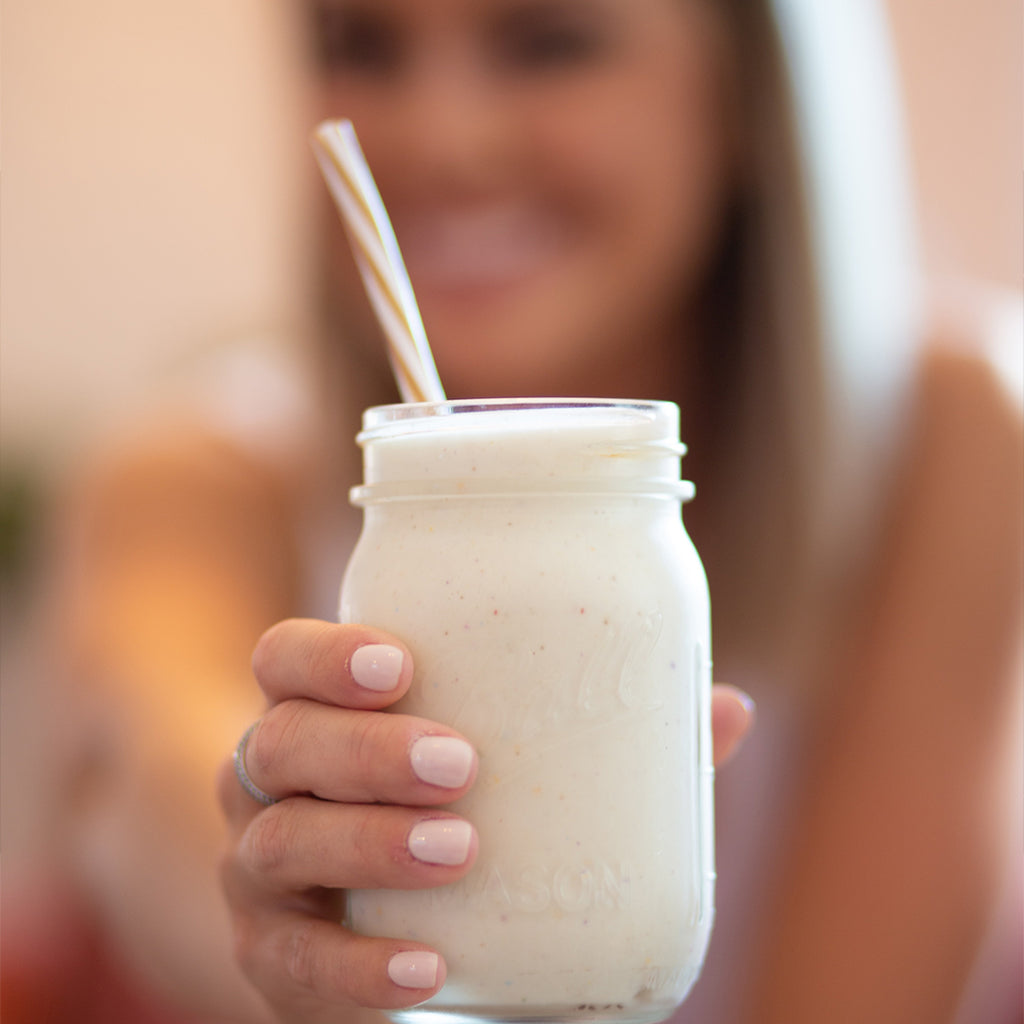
x=153 y=156
x=962 y=75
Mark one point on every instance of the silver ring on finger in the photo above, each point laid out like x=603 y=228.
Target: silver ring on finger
x=243 y=775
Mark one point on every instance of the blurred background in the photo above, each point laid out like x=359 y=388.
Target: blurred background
x=155 y=207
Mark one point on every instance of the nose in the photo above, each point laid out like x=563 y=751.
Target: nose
x=453 y=129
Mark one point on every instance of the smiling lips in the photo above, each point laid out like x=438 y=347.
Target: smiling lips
x=484 y=247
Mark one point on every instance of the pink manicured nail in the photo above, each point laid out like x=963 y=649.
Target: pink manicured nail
x=414 y=969
x=442 y=760
x=376 y=666
x=441 y=841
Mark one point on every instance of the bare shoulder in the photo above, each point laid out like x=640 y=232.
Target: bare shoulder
x=239 y=421
x=967 y=447
x=968 y=391
x=951 y=573
x=170 y=454
x=176 y=492
x=178 y=523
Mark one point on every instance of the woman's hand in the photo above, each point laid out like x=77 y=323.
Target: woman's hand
x=358 y=795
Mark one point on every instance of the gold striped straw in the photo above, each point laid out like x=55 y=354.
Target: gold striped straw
x=380 y=263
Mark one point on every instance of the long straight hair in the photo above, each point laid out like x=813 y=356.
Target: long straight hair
x=817 y=315
x=762 y=408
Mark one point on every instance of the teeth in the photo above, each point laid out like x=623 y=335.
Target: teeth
x=465 y=248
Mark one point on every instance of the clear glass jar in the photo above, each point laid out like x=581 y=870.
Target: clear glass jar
x=532 y=555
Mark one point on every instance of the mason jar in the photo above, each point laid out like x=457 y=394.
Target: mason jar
x=532 y=555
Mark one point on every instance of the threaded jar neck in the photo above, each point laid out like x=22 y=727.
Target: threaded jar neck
x=521 y=446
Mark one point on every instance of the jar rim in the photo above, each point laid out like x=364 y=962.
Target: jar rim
x=386 y=420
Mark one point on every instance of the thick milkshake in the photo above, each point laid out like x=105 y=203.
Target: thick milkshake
x=533 y=557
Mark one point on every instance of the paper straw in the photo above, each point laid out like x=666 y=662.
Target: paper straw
x=380 y=263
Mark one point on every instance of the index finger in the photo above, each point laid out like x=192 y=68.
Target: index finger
x=351 y=666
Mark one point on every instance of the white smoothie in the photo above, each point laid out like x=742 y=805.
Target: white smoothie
x=535 y=562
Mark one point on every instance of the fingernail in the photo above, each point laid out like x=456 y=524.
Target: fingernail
x=744 y=698
x=748 y=703
x=414 y=969
x=442 y=760
x=441 y=841
x=376 y=666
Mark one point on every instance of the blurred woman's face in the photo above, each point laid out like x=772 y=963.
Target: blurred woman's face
x=555 y=171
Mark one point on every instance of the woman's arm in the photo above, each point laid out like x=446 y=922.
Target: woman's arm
x=902 y=830
x=174 y=558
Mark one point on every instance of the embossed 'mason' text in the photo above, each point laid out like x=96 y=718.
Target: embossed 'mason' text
x=573 y=889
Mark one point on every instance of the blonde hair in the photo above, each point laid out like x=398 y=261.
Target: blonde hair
x=816 y=368
x=756 y=454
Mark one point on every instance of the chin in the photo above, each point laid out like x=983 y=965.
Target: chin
x=490 y=382
x=503 y=380
x=497 y=364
